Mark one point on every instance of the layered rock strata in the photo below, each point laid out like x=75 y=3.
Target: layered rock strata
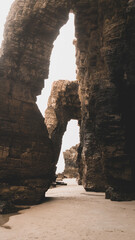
x=70 y=158
x=63 y=105
x=106 y=73
x=26 y=152
x=105 y=58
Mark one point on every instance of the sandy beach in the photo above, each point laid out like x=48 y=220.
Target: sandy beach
x=71 y=213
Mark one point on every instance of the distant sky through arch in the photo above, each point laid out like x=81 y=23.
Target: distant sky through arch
x=62 y=62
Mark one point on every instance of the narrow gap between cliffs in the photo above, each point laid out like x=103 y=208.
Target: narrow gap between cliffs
x=70 y=139
x=62 y=66
x=62 y=62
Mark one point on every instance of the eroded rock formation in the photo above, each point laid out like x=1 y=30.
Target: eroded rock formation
x=106 y=75
x=63 y=105
x=70 y=157
x=26 y=152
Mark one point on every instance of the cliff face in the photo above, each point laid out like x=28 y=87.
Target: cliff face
x=26 y=152
x=70 y=157
x=105 y=59
x=63 y=105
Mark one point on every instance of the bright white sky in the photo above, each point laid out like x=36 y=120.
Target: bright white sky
x=4 y=9
x=62 y=62
x=62 y=66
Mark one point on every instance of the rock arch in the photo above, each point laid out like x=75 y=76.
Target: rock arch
x=63 y=105
x=105 y=58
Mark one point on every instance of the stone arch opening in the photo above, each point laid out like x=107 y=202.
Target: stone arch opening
x=62 y=61
x=63 y=105
x=106 y=73
x=70 y=139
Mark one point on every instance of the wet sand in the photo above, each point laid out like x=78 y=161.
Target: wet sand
x=70 y=213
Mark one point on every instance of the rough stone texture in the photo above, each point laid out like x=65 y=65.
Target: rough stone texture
x=63 y=105
x=70 y=158
x=106 y=74
x=26 y=152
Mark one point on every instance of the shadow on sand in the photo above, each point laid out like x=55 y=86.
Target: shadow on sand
x=4 y=218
